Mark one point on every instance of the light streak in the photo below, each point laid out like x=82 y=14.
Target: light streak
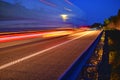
x=37 y=53
x=33 y=35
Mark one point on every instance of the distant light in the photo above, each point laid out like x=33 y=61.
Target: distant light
x=64 y=17
x=68 y=2
x=67 y=9
x=48 y=3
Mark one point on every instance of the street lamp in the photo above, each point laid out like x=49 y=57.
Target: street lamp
x=64 y=17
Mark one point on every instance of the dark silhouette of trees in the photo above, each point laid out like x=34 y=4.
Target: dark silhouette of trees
x=113 y=22
x=96 y=25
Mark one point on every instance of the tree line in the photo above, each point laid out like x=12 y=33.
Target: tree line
x=113 y=22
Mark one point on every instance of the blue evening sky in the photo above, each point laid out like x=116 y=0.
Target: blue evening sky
x=98 y=10
x=94 y=10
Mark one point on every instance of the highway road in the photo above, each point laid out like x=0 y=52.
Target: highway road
x=44 y=59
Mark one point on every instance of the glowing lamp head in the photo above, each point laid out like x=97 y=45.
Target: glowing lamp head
x=64 y=17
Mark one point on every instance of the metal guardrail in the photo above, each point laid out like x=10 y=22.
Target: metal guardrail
x=72 y=73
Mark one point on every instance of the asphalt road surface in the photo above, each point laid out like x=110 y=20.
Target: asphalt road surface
x=43 y=60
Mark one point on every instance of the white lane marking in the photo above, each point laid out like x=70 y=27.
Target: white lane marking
x=37 y=53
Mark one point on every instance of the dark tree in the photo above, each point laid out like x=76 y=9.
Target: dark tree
x=96 y=25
